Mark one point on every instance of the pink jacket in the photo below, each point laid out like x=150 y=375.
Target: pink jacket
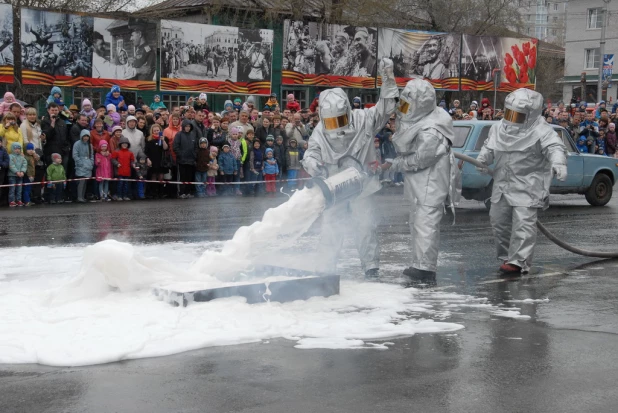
x=103 y=164
x=5 y=106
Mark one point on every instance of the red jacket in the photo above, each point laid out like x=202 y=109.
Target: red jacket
x=96 y=137
x=126 y=159
x=314 y=105
x=293 y=106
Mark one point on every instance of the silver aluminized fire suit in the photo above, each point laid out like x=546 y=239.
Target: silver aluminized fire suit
x=525 y=150
x=422 y=139
x=343 y=131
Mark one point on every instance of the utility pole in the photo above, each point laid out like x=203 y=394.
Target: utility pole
x=602 y=51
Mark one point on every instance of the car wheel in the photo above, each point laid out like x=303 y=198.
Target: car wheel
x=600 y=191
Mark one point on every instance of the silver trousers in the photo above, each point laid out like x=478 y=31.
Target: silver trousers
x=425 y=231
x=359 y=217
x=515 y=232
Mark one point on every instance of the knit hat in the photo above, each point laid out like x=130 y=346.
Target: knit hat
x=110 y=107
x=83 y=133
x=291 y=96
x=115 y=128
x=56 y=156
x=157 y=96
x=102 y=143
x=203 y=140
x=270 y=138
x=86 y=102
x=293 y=140
x=131 y=108
x=475 y=103
x=224 y=145
x=357 y=99
x=273 y=95
x=237 y=100
x=268 y=150
x=59 y=102
x=214 y=149
x=29 y=146
x=115 y=88
x=203 y=96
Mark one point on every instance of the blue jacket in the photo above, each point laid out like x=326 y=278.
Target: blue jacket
x=582 y=145
x=83 y=155
x=17 y=163
x=4 y=159
x=54 y=90
x=270 y=168
x=227 y=163
x=110 y=99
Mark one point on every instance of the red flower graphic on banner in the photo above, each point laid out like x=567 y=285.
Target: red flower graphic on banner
x=520 y=67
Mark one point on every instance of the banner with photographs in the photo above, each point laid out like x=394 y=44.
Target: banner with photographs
x=514 y=59
x=125 y=53
x=432 y=56
x=6 y=43
x=329 y=55
x=65 y=50
x=215 y=59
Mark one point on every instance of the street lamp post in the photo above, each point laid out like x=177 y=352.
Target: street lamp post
x=602 y=51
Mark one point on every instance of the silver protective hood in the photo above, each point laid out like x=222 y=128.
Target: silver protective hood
x=417 y=100
x=335 y=111
x=523 y=124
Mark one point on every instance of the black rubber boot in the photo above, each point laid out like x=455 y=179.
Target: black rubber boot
x=416 y=276
x=372 y=274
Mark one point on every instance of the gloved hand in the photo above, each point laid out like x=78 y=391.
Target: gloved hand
x=313 y=167
x=483 y=171
x=386 y=68
x=560 y=171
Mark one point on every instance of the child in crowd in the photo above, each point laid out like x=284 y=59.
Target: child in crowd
x=228 y=107
x=582 y=144
x=213 y=167
x=202 y=166
x=281 y=157
x=31 y=160
x=54 y=95
x=236 y=149
x=88 y=110
x=123 y=159
x=256 y=164
x=142 y=174
x=5 y=106
x=115 y=98
x=292 y=105
x=18 y=166
x=270 y=143
x=83 y=155
x=103 y=162
x=201 y=103
x=271 y=170
x=227 y=168
x=157 y=105
x=237 y=104
x=293 y=163
x=56 y=172
x=113 y=118
x=272 y=103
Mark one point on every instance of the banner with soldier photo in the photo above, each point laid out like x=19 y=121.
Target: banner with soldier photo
x=512 y=60
x=215 y=59
x=125 y=53
x=6 y=43
x=81 y=51
x=432 y=56
x=329 y=54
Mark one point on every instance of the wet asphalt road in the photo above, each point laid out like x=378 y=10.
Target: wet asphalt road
x=561 y=360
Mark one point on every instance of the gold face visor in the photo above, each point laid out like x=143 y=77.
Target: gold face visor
x=336 y=122
x=514 y=117
x=403 y=106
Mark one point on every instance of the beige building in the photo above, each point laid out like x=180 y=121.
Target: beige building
x=544 y=19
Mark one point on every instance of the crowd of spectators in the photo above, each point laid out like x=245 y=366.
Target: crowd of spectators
x=119 y=152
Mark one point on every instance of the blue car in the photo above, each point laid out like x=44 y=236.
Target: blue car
x=590 y=175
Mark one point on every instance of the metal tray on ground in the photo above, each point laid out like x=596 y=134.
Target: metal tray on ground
x=304 y=286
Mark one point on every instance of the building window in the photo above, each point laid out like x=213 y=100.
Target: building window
x=595 y=18
x=555 y=6
x=300 y=95
x=591 y=58
x=528 y=30
x=80 y=95
x=555 y=19
x=174 y=100
x=554 y=32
